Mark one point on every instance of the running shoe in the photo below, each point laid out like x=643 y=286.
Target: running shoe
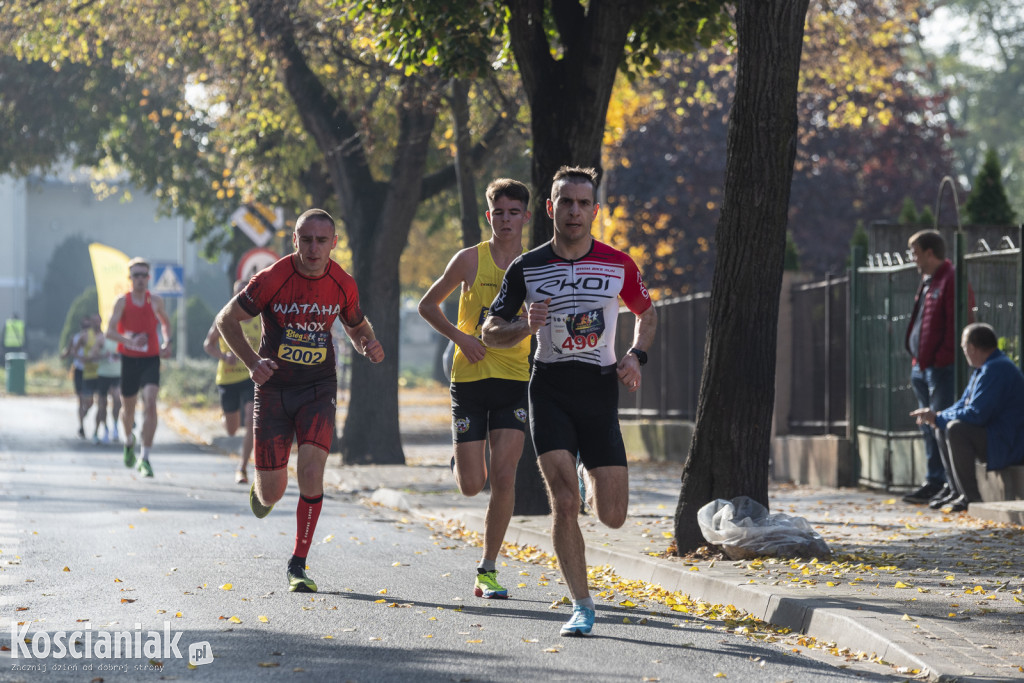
x=487 y=586
x=129 y=453
x=241 y=477
x=144 y=468
x=582 y=622
x=298 y=582
x=81 y=433
x=258 y=508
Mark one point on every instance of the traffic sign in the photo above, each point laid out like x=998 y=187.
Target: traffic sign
x=255 y=260
x=168 y=280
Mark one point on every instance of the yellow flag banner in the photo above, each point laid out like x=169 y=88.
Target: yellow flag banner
x=110 y=268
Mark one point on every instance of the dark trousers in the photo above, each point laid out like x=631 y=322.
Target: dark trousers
x=967 y=445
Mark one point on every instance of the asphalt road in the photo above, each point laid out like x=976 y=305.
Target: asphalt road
x=87 y=545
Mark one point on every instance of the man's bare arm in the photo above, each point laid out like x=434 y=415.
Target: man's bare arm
x=461 y=269
x=503 y=334
x=365 y=341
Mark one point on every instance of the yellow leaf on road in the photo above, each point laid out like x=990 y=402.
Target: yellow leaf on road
x=900 y=584
x=66 y=569
x=235 y=620
x=264 y=619
x=226 y=587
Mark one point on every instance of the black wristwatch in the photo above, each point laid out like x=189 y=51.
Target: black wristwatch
x=640 y=355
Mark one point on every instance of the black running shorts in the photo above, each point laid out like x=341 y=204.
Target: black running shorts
x=574 y=407
x=234 y=396
x=485 y=405
x=137 y=373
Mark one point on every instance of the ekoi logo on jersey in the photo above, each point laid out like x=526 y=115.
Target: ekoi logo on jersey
x=307 y=309
x=556 y=286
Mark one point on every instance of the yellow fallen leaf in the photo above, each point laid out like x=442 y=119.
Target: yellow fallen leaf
x=118 y=581
x=382 y=591
x=890 y=501
x=627 y=603
x=429 y=635
x=177 y=615
x=530 y=640
x=694 y=569
x=66 y=569
x=328 y=637
x=474 y=641
x=235 y=620
x=143 y=509
x=719 y=674
x=328 y=538
x=552 y=649
x=264 y=619
x=226 y=587
x=625 y=620
x=900 y=584
x=666 y=534
x=907 y=617
x=381 y=600
x=268 y=665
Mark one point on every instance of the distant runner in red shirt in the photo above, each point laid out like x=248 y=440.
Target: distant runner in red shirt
x=133 y=325
x=298 y=299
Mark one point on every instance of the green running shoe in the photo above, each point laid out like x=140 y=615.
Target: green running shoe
x=258 y=508
x=298 y=582
x=129 y=454
x=144 y=468
x=487 y=586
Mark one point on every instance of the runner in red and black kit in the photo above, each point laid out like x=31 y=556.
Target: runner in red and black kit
x=298 y=299
x=572 y=286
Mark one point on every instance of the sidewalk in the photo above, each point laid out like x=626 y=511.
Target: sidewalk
x=941 y=594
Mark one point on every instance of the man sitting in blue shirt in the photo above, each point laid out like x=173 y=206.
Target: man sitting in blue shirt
x=987 y=423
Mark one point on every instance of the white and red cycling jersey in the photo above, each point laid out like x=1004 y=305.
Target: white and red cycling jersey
x=584 y=297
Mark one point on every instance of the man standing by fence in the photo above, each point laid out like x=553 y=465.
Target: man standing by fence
x=931 y=340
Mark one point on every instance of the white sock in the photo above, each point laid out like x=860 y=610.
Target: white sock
x=144 y=451
x=586 y=602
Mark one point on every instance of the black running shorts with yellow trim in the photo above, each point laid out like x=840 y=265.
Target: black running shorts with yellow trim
x=485 y=405
x=283 y=414
x=574 y=407
x=137 y=372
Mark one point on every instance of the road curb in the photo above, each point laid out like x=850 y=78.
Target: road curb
x=878 y=630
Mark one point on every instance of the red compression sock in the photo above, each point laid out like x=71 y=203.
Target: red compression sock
x=306 y=515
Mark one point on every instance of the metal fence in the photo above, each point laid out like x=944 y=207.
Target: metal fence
x=672 y=375
x=886 y=437
x=818 y=380
x=850 y=371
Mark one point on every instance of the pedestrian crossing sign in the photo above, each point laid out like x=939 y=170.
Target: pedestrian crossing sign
x=168 y=280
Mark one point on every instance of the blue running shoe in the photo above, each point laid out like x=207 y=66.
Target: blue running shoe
x=582 y=622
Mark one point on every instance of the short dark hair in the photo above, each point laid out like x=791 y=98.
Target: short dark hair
x=576 y=174
x=929 y=239
x=981 y=336
x=507 y=187
x=314 y=215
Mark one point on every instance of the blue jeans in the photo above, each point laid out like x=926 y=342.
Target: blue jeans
x=934 y=389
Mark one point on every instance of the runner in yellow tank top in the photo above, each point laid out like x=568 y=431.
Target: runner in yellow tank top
x=488 y=385
x=235 y=386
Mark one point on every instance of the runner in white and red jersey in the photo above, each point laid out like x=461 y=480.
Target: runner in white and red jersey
x=572 y=285
x=298 y=299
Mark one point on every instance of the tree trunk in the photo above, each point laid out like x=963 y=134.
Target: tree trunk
x=731 y=443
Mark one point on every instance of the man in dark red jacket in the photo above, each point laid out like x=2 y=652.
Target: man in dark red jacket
x=931 y=340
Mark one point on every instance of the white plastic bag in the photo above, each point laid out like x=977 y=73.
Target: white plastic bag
x=744 y=529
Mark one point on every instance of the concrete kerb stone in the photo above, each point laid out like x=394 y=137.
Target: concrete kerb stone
x=880 y=632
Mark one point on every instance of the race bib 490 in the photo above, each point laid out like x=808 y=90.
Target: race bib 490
x=575 y=333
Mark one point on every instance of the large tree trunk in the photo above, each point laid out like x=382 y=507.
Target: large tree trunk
x=568 y=96
x=730 y=449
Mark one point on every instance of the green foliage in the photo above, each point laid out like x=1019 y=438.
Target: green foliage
x=908 y=213
x=926 y=217
x=67 y=275
x=791 y=260
x=860 y=236
x=190 y=383
x=987 y=203
x=198 y=317
x=84 y=304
